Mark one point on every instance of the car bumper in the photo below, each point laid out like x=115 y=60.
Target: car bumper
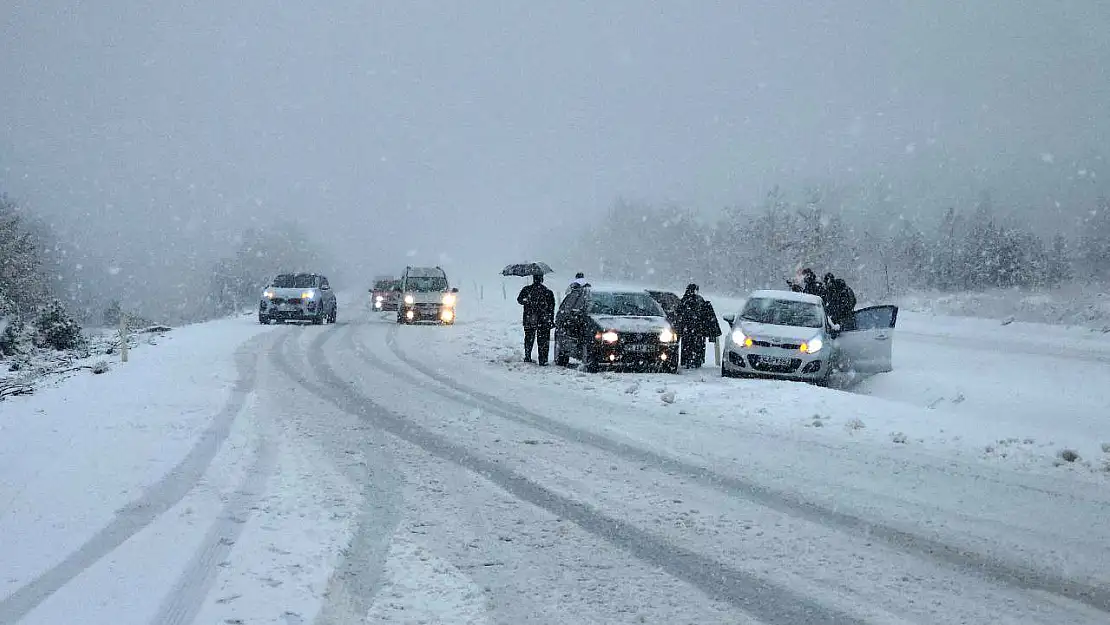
x=285 y=311
x=428 y=312
x=776 y=363
x=640 y=356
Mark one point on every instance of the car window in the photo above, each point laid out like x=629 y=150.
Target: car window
x=782 y=312
x=428 y=283
x=624 y=305
x=295 y=281
x=876 y=318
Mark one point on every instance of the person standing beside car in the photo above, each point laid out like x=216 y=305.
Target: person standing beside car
x=538 y=318
x=840 y=300
x=808 y=284
x=579 y=280
x=690 y=314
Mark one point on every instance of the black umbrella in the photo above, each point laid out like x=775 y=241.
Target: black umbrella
x=527 y=269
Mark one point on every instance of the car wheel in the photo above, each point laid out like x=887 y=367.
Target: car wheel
x=562 y=359
x=725 y=373
x=264 y=320
x=589 y=359
x=334 y=314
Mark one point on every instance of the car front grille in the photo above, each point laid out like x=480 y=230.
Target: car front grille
x=789 y=346
x=759 y=364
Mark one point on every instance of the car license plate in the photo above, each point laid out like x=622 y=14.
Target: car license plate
x=775 y=361
x=640 y=348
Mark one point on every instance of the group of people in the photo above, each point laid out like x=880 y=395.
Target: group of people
x=694 y=317
x=839 y=299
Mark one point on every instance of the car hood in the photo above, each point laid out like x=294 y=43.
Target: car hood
x=631 y=324
x=771 y=331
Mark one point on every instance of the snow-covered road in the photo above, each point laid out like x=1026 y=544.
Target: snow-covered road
x=369 y=472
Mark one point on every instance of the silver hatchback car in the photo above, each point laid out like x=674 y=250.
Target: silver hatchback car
x=783 y=334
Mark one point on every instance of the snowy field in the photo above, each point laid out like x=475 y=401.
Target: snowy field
x=369 y=472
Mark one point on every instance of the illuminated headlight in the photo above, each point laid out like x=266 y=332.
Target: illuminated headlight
x=379 y=299
x=449 y=299
x=812 y=346
x=308 y=295
x=741 y=339
x=268 y=294
x=447 y=316
x=410 y=300
x=609 y=336
x=667 y=336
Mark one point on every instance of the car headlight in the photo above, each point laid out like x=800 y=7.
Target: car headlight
x=379 y=299
x=308 y=295
x=609 y=336
x=741 y=339
x=268 y=294
x=410 y=300
x=449 y=299
x=813 y=345
x=667 y=335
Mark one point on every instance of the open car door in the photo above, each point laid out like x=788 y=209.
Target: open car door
x=867 y=343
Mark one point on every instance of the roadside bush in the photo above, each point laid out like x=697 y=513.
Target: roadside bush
x=11 y=329
x=56 y=329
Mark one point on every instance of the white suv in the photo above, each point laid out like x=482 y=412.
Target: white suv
x=426 y=296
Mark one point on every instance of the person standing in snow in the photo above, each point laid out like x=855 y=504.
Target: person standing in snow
x=808 y=284
x=691 y=316
x=840 y=300
x=579 y=280
x=538 y=319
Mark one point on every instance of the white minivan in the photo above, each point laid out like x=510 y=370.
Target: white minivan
x=783 y=334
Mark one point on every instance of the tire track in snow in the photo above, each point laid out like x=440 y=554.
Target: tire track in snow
x=961 y=559
x=155 y=500
x=359 y=574
x=764 y=600
x=187 y=597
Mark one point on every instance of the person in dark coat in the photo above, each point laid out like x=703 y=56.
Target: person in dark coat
x=710 y=328
x=692 y=327
x=840 y=301
x=538 y=318
x=809 y=284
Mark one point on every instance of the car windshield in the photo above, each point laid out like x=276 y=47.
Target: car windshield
x=783 y=312
x=387 y=285
x=295 y=281
x=429 y=283
x=624 y=305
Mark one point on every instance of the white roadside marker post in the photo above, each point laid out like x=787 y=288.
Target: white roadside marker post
x=123 y=338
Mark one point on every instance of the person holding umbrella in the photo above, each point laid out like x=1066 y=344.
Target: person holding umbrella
x=538 y=319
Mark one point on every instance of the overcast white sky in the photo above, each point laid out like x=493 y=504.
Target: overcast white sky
x=459 y=127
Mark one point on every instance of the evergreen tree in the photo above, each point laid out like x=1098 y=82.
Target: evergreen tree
x=1058 y=266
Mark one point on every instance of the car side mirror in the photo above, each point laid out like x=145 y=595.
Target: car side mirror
x=729 y=319
x=455 y=290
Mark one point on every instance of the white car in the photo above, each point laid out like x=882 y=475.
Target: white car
x=783 y=334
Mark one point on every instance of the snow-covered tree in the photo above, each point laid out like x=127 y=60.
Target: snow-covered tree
x=56 y=329
x=1058 y=267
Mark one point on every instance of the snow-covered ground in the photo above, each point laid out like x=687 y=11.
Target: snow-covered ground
x=369 y=472
x=1081 y=305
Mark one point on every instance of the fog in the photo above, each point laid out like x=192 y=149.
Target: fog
x=459 y=132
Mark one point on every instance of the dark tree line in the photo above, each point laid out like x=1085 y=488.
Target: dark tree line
x=739 y=249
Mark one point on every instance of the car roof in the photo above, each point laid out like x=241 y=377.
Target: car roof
x=791 y=296
x=618 y=291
